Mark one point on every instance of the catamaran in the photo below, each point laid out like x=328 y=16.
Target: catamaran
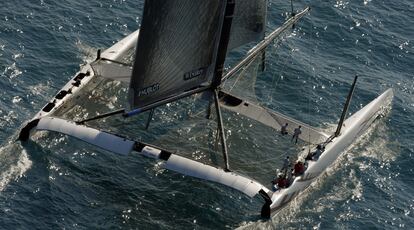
x=178 y=52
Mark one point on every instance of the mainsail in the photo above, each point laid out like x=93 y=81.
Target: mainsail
x=178 y=44
x=176 y=49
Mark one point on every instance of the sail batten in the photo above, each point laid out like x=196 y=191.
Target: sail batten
x=176 y=48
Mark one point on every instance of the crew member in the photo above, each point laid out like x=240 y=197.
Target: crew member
x=278 y=182
x=299 y=168
x=286 y=165
x=296 y=134
x=317 y=153
x=284 y=129
x=281 y=182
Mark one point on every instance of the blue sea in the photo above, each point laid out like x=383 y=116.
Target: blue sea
x=58 y=182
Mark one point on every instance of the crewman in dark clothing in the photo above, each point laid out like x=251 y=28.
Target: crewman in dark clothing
x=317 y=153
x=299 y=168
x=282 y=182
x=296 y=134
x=286 y=165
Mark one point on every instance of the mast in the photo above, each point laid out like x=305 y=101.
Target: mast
x=224 y=41
x=221 y=132
x=218 y=73
x=150 y=115
x=346 y=107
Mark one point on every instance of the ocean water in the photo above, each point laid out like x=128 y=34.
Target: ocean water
x=57 y=182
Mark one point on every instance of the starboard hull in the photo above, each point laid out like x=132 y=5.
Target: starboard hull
x=353 y=127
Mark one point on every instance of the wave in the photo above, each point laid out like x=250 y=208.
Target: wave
x=14 y=163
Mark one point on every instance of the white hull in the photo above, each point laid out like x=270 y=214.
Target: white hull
x=124 y=146
x=353 y=128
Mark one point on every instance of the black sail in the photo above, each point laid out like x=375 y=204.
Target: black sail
x=177 y=48
x=249 y=22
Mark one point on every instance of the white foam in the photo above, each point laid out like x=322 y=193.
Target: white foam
x=88 y=53
x=15 y=170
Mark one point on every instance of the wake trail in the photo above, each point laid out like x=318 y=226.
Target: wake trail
x=14 y=159
x=14 y=162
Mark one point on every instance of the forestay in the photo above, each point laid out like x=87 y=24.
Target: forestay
x=176 y=50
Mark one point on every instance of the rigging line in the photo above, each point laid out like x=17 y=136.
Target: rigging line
x=277 y=44
x=123 y=110
x=166 y=101
x=122 y=124
x=244 y=70
x=237 y=80
x=311 y=65
x=119 y=111
x=116 y=62
x=309 y=101
x=270 y=97
x=254 y=163
x=241 y=73
x=250 y=163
